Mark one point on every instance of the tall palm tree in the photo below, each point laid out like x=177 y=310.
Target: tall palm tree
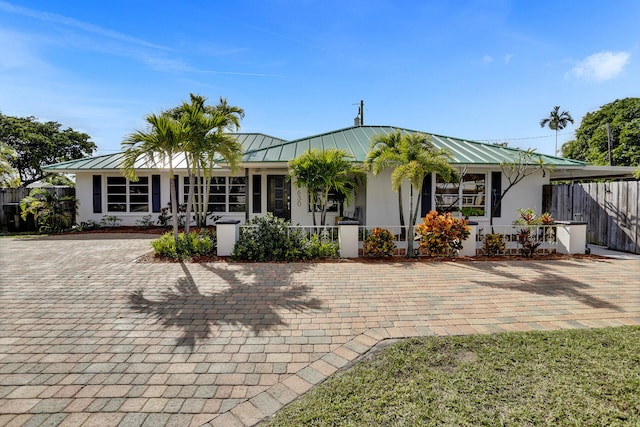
x=557 y=121
x=207 y=143
x=323 y=172
x=160 y=142
x=414 y=159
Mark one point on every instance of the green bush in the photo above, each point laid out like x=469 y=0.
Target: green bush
x=379 y=242
x=271 y=239
x=493 y=244
x=441 y=234
x=193 y=244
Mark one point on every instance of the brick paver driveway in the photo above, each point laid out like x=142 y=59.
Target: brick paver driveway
x=89 y=336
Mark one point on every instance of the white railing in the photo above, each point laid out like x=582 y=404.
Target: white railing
x=327 y=233
x=562 y=238
x=521 y=239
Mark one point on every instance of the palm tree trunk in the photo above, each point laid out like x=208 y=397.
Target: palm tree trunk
x=412 y=221
x=174 y=202
x=401 y=212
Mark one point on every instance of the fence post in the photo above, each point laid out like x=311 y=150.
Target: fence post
x=469 y=245
x=348 y=238
x=227 y=234
x=572 y=237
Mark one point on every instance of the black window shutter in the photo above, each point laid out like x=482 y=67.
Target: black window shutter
x=496 y=191
x=257 y=194
x=176 y=184
x=155 y=193
x=97 y=193
x=426 y=196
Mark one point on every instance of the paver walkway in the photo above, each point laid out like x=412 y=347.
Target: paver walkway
x=90 y=337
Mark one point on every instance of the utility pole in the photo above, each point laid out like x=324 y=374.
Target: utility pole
x=359 y=119
x=609 y=144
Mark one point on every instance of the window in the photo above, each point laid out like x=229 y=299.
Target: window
x=466 y=196
x=332 y=203
x=127 y=196
x=226 y=194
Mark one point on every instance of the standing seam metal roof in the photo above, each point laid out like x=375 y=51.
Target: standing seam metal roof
x=260 y=148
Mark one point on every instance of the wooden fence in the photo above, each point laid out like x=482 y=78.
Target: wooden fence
x=10 y=198
x=610 y=209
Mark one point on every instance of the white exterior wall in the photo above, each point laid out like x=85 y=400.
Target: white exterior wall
x=377 y=200
x=382 y=201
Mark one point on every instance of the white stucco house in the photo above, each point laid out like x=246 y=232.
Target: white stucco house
x=260 y=185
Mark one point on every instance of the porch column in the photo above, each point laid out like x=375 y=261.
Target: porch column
x=227 y=233
x=571 y=236
x=469 y=245
x=348 y=238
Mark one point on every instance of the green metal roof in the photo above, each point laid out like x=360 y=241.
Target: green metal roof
x=260 y=148
x=250 y=142
x=357 y=140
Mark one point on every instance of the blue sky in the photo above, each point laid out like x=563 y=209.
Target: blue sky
x=481 y=70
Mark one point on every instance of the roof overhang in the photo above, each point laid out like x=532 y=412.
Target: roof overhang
x=592 y=172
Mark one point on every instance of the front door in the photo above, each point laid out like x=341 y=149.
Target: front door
x=279 y=196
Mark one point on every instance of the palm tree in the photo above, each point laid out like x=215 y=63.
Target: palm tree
x=162 y=140
x=8 y=175
x=414 y=159
x=50 y=211
x=324 y=172
x=206 y=144
x=382 y=149
x=557 y=121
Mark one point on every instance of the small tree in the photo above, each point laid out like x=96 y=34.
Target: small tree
x=524 y=164
x=324 y=172
x=50 y=211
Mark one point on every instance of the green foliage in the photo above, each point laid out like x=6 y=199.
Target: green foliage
x=528 y=217
x=493 y=244
x=37 y=144
x=186 y=246
x=324 y=172
x=50 y=211
x=110 y=221
x=145 y=222
x=88 y=225
x=380 y=242
x=557 y=121
x=271 y=239
x=582 y=377
x=8 y=174
x=441 y=234
x=591 y=143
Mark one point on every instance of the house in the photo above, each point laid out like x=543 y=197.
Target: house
x=260 y=184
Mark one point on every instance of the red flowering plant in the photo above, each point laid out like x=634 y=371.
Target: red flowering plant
x=379 y=242
x=441 y=235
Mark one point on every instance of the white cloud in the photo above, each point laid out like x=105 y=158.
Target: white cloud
x=508 y=57
x=487 y=59
x=601 y=66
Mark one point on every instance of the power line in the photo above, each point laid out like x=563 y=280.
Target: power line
x=523 y=138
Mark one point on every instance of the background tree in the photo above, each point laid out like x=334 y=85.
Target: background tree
x=414 y=158
x=591 y=144
x=8 y=175
x=37 y=144
x=557 y=121
x=161 y=140
x=324 y=172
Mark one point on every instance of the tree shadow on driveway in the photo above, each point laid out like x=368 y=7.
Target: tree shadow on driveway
x=546 y=282
x=254 y=299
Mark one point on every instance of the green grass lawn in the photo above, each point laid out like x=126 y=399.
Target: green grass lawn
x=587 y=377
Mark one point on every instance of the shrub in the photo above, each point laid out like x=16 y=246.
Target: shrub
x=110 y=221
x=529 y=217
x=51 y=212
x=145 y=222
x=493 y=244
x=271 y=239
x=379 y=242
x=193 y=244
x=441 y=234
